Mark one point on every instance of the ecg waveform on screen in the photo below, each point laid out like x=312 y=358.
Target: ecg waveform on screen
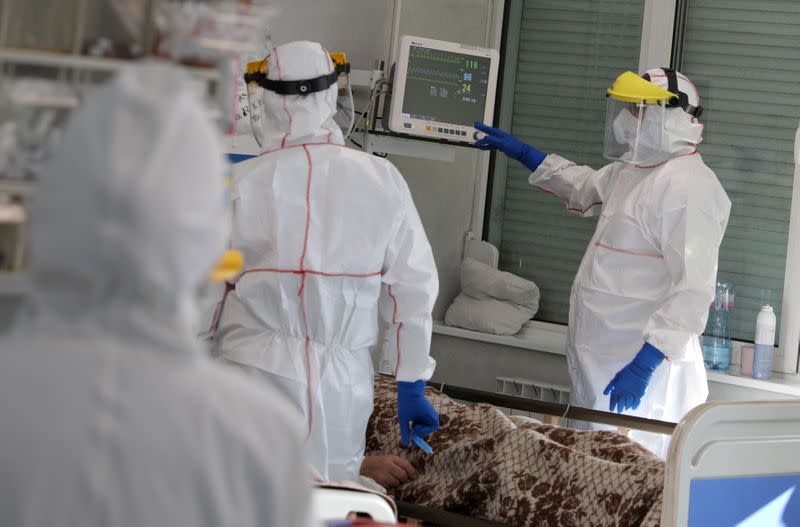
x=433 y=74
x=433 y=55
x=421 y=73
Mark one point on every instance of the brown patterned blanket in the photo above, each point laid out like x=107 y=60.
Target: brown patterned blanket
x=517 y=471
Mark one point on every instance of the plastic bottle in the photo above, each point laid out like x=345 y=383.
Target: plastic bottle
x=765 y=343
x=717 y=336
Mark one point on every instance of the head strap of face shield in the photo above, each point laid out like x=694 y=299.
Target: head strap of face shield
x=301 y=87
x=682 y=100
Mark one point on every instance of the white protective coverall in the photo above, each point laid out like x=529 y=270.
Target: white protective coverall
x=327 y=233
x=649 y=273
x=112 y=413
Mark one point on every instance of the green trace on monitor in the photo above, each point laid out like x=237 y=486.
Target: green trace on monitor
x=446 y=87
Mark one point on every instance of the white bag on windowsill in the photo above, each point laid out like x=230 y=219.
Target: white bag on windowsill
x=492 y=301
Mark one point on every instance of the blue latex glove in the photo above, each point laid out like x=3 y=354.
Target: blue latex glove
x=629 y=384
x=496 y=139
x=414 y=411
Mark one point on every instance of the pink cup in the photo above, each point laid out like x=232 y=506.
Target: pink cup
x=747 y=359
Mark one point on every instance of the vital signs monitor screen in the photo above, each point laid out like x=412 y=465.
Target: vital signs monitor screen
x=445 y=86
x=442 y=88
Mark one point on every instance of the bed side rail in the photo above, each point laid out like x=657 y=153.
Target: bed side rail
x=560 y=410
x=441 y=518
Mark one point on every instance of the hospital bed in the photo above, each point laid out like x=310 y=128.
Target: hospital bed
x=720 y=453
x=337 y=502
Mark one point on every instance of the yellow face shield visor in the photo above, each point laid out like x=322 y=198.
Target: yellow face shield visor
x=228 y=267
x=630 y=87
x=635 y=117
x=232 y=262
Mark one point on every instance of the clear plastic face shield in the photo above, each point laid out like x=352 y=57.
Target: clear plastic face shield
x=633 y=131
x=257 y=81
x=345 y=109
x=635 y=119
x=224 y=33
x=255 y=101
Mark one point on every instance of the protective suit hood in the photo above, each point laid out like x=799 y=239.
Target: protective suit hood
x=682 y=132
x=130 y=214
x=299 y=119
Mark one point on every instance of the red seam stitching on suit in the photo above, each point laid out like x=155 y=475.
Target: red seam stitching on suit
x=218 y=310
x=308 y=356
x=308 y=209
x=693 y=152
x=399 y=327
x=584 y=211
x=323 y=143
x=311 y=272
x=302 y=292
x=630 y=253
x=397 y=369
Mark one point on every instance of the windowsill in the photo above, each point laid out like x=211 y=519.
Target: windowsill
x=551 y=338
x=783 y=383
x=535 y=336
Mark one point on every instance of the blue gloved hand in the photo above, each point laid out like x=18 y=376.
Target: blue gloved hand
x=414 y=411
x=628 y=386
x=496 y=139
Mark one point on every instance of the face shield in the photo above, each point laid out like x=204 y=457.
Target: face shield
x=345 y=111
x=221 y=33
x=255 y=102
x=635 y=120
x=257 y=81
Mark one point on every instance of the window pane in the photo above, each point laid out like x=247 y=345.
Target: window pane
x=743 y=57
x=570 y=52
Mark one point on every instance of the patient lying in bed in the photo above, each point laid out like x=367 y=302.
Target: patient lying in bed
x=517 y=471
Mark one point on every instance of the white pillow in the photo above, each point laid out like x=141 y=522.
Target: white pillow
x=481 y=281
x=497 y=317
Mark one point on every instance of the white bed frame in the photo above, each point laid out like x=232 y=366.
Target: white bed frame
x=329 y=503
x=730 y=439
x=715 y=440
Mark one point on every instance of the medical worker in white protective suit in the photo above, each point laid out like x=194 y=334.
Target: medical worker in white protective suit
x=112 y=414
x=641 y=295
x=330 y=237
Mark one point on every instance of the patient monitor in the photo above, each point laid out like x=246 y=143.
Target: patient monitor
x=442 y=88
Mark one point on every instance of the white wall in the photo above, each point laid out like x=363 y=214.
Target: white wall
x=443 y=192
x=361 y=28
x=473 y=364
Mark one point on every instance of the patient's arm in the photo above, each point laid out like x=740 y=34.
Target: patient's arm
x=388 y=471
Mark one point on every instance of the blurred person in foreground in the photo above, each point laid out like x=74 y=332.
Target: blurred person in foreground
x=112 y=414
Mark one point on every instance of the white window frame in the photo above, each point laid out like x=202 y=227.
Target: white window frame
x=656 y=48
